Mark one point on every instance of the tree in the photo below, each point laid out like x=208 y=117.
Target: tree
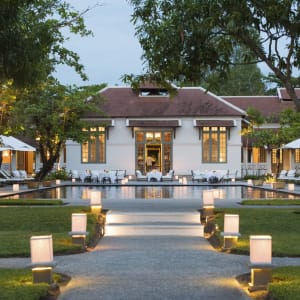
x=31 y=39
x=242 y=79
x=289 y=130
x=187 y=40
x=51 y=113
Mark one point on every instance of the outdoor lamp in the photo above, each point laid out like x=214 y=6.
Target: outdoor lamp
x=231 y=230
x=260 y=261
x=57 y=181
x=78 y=233
x=208 y=204
x=96 y=202
x=291 y=186
x=208 y=199
x=96 y=198
x=41 y=248
x=16 y=187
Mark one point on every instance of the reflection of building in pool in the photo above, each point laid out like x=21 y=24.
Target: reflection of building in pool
x=154 y=192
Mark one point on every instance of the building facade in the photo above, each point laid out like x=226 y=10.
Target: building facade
x=149 y=129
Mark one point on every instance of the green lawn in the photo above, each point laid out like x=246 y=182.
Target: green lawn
x=285 y=283
x=17 y=284
x=281 y=223
x=18 y=224
x=26 y=202
x=272 y=202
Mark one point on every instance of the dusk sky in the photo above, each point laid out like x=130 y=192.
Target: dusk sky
x=112 y=51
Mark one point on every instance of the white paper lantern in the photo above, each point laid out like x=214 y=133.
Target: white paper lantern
x=41 y=248
x=260 y=249
x=96 y=198
x=79 y=222
x=231 y=224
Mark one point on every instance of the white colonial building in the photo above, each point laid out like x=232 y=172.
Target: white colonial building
x=147 y=128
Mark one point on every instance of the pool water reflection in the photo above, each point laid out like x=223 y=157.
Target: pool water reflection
x=79 y=193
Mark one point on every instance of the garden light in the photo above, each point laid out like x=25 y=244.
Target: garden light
x=41 y=248
x=79 y=224
x=260 y=261
x=231 y=230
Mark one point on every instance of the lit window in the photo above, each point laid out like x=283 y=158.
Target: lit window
x=214 y=145
x=297 y=155
x=94 y=150
x=259 y=155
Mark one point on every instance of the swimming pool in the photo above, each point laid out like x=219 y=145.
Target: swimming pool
x=82 y=193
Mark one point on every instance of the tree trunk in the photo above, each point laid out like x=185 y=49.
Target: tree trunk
x=47 y=163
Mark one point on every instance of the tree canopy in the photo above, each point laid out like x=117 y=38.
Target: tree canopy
x=51 y=113
x=187 y=40
x=32 y=41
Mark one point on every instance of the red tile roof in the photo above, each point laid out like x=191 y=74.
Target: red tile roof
x=267 y=105
x=188 y=102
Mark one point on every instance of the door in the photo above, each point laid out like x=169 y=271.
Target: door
x=153 y=157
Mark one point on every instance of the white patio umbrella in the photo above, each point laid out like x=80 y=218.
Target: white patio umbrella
x=292 y=145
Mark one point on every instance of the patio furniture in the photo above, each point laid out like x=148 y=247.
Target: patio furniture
x=198 y=175
x=154 y=176
x=282 y=175
x=75 y=175
x=94 y=176
x=140 y=176
x=168 y=176
x=120 y=175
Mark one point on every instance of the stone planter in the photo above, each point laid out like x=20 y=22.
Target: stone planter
x=258 y=182
x=47 y=183
x=33 y=184
x=278 y=185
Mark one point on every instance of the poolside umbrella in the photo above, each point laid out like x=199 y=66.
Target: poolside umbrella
x=292 y=145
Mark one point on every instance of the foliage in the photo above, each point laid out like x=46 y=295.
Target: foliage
x=32 y=39
x=186 y=41
x=39 y=221
x=280 y=223
x=285 y=283
x=242 y=79
x=51 y=113
x=59 y=174
x=8 y=98
x=289 y=130
x=17 y=284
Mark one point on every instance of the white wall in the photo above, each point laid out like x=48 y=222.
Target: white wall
x=187 y=155
x=187 y=150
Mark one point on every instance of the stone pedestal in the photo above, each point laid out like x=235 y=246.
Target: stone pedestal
x=260 y=278
x=42 y=275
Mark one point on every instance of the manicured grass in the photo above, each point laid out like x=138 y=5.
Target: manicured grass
x=18 y=224
x=285 y=283
x=17 y=284
x=13 y=202
x=271 y=202
x=281 y=223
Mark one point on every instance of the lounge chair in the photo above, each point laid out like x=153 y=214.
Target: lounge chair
x=168 y=176
x=10 y=177
x=140 y=176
